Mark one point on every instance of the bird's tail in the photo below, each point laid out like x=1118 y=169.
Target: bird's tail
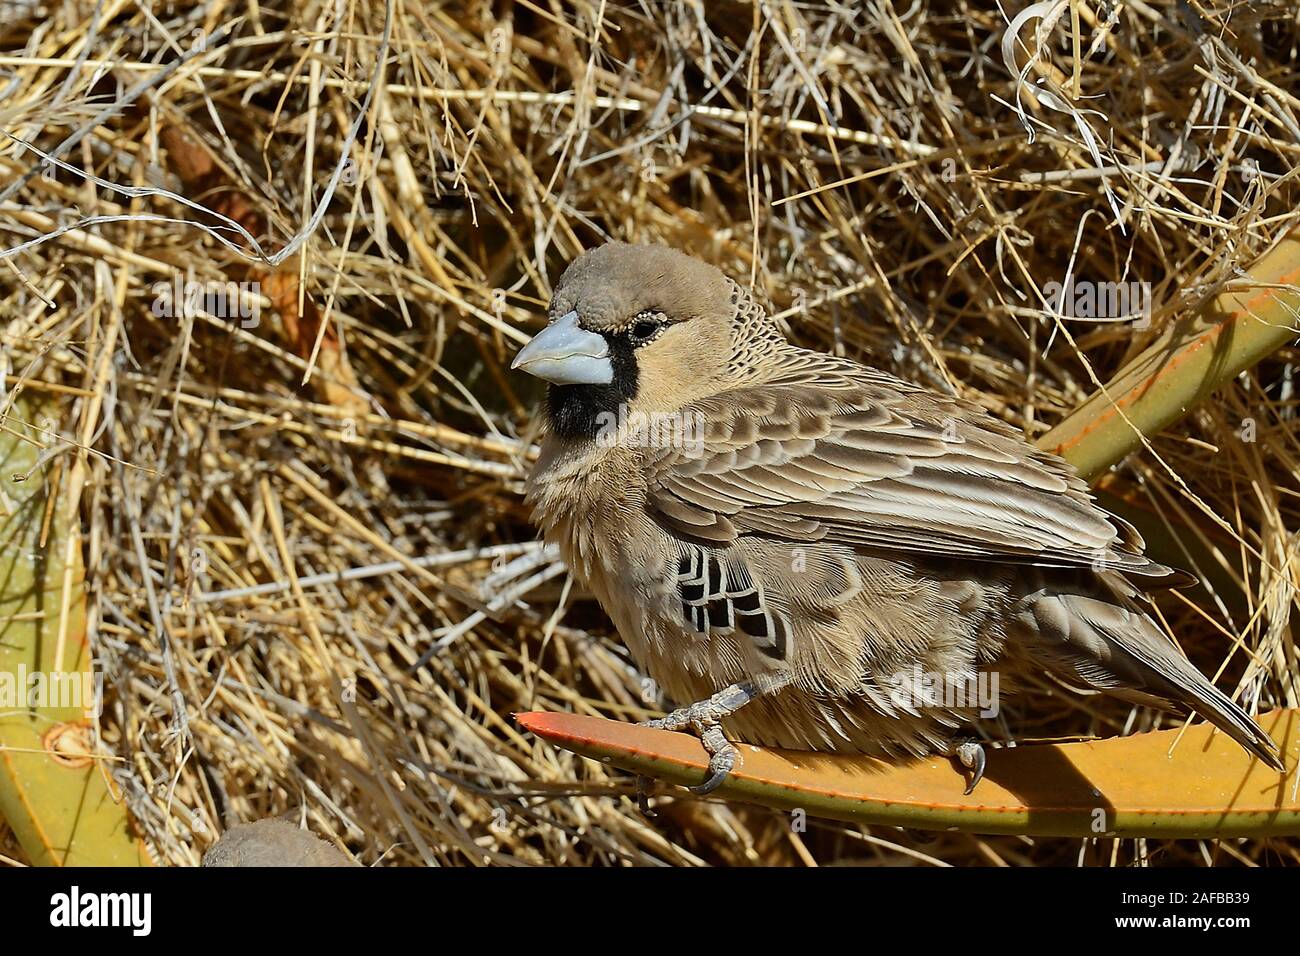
x=1170 y=677
x=1107 y=641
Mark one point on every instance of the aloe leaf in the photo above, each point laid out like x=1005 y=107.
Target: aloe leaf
x=1146 y=785
x=55 y=793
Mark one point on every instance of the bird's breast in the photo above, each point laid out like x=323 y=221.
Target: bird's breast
x=586 y=500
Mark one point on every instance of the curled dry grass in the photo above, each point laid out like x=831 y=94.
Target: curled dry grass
x=866 y=171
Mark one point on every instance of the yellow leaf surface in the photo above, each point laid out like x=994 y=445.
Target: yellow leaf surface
x=55 y=791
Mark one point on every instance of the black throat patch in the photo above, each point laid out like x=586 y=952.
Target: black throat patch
x=574 y=410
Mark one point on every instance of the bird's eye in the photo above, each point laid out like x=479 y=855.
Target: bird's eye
x=644 y=329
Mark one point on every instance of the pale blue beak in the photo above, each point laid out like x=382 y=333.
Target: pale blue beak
x=564 y=353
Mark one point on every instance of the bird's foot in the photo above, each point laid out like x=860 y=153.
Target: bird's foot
x=704 y=718
x=971 y=755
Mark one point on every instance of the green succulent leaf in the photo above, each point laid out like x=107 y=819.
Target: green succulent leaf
x=55 y=790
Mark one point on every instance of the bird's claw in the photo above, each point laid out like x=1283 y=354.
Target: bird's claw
x=722 y=759
x=716 y=779
x=971 y=755
x=644 y=787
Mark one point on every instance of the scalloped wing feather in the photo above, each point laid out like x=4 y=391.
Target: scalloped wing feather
x=840 y=452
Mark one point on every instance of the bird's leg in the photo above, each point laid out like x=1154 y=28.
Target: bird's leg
x=971 y=755
x=705 y=719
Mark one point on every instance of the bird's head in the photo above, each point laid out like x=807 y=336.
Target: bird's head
x=639 y=328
